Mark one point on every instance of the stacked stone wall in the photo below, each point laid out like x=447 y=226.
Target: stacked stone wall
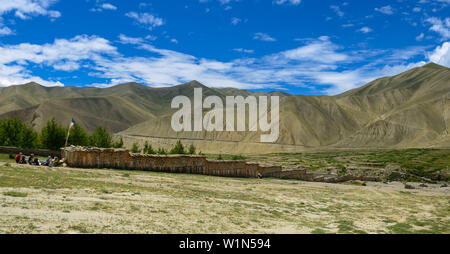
x=83 y=157
x=122 y=159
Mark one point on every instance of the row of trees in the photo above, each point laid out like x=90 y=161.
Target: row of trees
x=177 y=149
x=15 y=133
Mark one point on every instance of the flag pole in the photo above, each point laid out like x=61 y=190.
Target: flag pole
x=68 y=131
x=67 y=138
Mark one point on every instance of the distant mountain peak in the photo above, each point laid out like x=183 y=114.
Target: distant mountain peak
x=194 y=83
x=32 y=83
x=434 y=66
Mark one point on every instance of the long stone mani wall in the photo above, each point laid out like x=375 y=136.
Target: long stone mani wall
x=87 y=157
x=83 y=157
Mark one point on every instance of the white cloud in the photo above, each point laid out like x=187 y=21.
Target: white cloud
x=419 y=37
x=440 y=26
x=129 y=40
x=5 y=31
x=388 y=10
x=248 y=51
x=321 y=51
x=263 y=37
x=337 y=10
x=62 y=54
x=365 y=30
x=104 y=6
x=146 y=19
x=108 y=6
x=235 y=21
x=320 y=62
x=151 y=37
x=291 y=2
x=441 y=55
x=23 y=8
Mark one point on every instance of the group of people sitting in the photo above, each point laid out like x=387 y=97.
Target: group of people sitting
x=33 y=160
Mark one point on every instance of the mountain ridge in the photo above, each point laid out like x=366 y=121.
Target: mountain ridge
x=410 y=109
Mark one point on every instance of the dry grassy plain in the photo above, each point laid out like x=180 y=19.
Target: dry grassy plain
x=68 y=200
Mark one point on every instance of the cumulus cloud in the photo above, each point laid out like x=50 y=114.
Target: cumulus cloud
x=25 y=9
x=319 y=62
x=320 y=51
x=62 y=54
x=441 y=55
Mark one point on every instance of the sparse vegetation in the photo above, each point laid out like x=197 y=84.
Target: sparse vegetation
x=155 y=202
x=237 y=157
x=414 y=165
x=161 y=151
x=148 y=149
x=178 y=148
x=118 y=144
x=135 y=148
x=15 y=194
x=192 y=149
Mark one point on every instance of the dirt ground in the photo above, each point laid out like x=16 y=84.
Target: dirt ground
x=68 y=200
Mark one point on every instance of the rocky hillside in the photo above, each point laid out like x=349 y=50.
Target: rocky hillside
x=411 y=109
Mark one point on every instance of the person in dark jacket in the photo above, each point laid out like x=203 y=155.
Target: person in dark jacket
x=47 y=161
x=31 y=159
x=36 y=161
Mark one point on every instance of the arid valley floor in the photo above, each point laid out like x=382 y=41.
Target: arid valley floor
x=69 y=200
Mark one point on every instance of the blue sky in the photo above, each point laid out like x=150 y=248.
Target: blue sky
x=298 y=46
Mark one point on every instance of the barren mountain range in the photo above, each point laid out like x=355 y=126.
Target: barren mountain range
x=411 y=109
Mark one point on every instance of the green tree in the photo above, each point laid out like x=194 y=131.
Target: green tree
x=15 y=133
x=53 y=135
x=161 y=151
x=135 y=148
x=118 y=144
x=78 y=136
x=178 y=148
x=101 y=138
x=192 y=149
x=148 y=149
x=29 y=138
